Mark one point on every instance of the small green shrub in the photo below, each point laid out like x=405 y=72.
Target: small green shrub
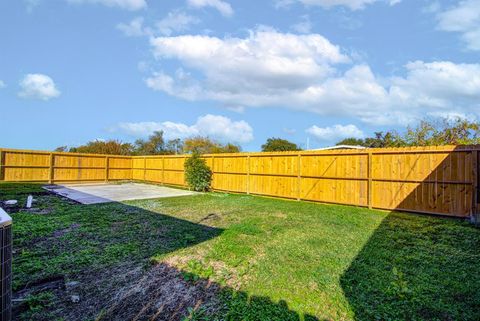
x=197 y=174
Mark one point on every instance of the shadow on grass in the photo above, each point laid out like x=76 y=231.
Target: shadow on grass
x=166 y=293
x=100 y=248
x=416 y=268
x=101 y=254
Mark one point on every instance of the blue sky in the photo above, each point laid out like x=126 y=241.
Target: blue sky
x=239 y=71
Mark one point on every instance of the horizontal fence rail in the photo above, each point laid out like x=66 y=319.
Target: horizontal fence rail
x=435 y=180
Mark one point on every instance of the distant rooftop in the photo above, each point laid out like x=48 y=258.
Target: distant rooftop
x=341 y=147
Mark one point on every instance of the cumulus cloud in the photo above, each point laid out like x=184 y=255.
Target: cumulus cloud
x=304 y=26
x=334 y=133
x=244 y=71
x=134 y=28
x=307 y=72
x=38 y=86
x=174 y=22
x=463 y=18
x=441 y=85
x=124 y=4
x=351 y=4
x=214 y=126
x=223 y=7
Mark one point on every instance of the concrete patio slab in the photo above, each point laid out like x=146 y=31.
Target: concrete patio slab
x=104 y=193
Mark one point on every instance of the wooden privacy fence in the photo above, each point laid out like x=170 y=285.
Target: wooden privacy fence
x=52 y=167
x=435 y=180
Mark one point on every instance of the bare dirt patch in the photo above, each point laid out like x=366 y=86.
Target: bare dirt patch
x=161 y=294
x=125 y=292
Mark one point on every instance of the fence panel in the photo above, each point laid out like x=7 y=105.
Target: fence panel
x=120 y=168
x=25 y=167
x=230 y=172
x=52 y=167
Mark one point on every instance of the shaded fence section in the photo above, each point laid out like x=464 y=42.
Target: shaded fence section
x=436 y=180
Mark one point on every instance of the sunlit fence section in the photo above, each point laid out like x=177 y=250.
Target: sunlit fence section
x=435 y=180
x=37 y=166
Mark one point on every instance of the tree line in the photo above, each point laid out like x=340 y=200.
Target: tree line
x=433 y=132
x=155 y=144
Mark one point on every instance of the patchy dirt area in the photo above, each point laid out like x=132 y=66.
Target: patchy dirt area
x=124 y=292
x=162 y=294
x=81 y=262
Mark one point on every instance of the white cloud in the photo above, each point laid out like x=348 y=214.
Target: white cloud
x=134 y=28
x=124 y=4
x=175 y=21
x=31 y=4
x=214 y=126
x=2 y=84
x=265 y=64
x=38 y=86
x=223 y=7
x=335 y=133
x=440 y=85
x=351 y=4
x=304 y=26
x=464 y=19
x=304 y=72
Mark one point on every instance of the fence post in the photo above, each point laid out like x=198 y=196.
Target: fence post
x=369 y=173
x=475 y=197
x=107 y=165
x=299 y=176
x=144 y=168
x=163 y=170
x=213 y=170
x=2 y=165
x=51 y=171
x=248 y=174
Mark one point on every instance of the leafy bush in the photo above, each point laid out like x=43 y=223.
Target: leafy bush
x=197 y=174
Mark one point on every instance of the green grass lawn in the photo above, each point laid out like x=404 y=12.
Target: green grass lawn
x=238 y=257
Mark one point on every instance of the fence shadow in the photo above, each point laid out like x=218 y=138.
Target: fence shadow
x=436 y=182
x=164 y=293
x=427 y=271
x=125 y=284
x=101 y=247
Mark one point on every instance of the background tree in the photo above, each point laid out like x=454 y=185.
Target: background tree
x=428 y=132
x=175 y=146
x=205 y=145
x=113 y=147
x=445 y=131
x=154 y=145
x=61 y=149
x=351 y=141
x=231 y=148
x=279 y=145
x=387 y=139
